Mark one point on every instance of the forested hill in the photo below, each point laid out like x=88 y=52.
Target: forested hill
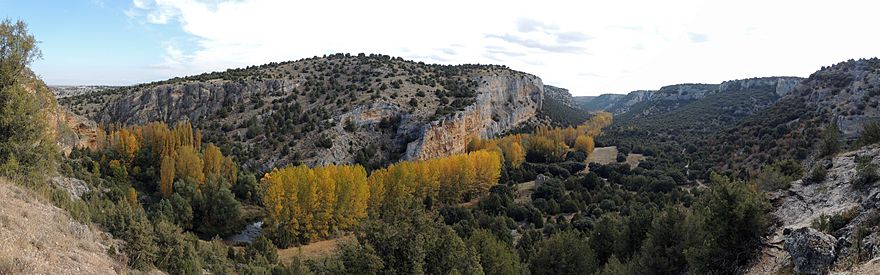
x=758 y=122
x=367 y=109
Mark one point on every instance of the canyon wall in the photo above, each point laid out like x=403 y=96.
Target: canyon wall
x=503 y=101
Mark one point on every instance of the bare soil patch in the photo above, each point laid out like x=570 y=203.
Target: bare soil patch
x=603 y=155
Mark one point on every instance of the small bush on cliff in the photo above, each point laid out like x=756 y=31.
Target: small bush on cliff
x=866 y=172
x=870 y=133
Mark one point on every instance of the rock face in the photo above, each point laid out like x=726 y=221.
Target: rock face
x=811 y=251
x=75 y=187
x=847 y=92
x=561 y=95
x=502 y=103
x=192 y=101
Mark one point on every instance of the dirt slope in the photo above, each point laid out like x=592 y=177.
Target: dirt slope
x=38 y=238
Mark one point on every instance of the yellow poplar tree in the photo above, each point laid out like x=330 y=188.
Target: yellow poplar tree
x=189 y=165
x=166 y=176
x=213 y=162
x=584 y=143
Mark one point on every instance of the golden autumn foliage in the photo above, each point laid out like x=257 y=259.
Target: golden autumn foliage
x=213 y=161
x=189 y=165
x=546 y=144
x=313 y=202
x=132 y=196
x=450 y=179
x=514 y=154
x=176 y=149
x=166 y=176
x=584 y=143
x=510 y=147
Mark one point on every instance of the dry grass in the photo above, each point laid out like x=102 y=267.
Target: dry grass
x=40 y=238
x=523 y=192
x=603 y=155
x=313 y=250
x=634 y=159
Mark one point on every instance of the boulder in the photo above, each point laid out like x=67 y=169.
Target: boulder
x=811 y=250
x=75 y=187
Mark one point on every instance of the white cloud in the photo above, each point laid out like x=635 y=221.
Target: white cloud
x=621 y=45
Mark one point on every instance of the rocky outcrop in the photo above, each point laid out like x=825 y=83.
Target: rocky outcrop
x=503 y=101
x=75 y=187
x=192 y=101
x=811 y=251
x=560 y=95
x=808 y=202
x=72 y=131
x=781 y=86
x=848 y=92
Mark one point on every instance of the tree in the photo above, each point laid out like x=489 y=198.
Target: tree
x=584 y=143
x=189 y=166
x=26 y=148
x=666 y=241
x=261 y=250
x=513 y=153
x=542 y=149
x=213 y=162
x=360 y=259
x=178 y=254
x=166 y=176
x=417 y=243
x=606 y=239
x=496 y=257
x=564 y=253
x=18 y=49
x=732 y=218
x=219 y=212
x=129 y=223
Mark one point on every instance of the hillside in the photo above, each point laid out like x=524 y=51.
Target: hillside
x=369 y=109
x=667 y=98
x=39 y=238
x=758 y=122
x=839 y=207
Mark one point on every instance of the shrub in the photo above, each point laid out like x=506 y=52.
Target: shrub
x=324 y=141
x=830 y=224
x=870 y=133
x=817 y=174
x=866 y=173
x=830 y=142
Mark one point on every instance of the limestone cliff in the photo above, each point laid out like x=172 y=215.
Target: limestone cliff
x=502 y=103
x=192 y=101
x=371 y=110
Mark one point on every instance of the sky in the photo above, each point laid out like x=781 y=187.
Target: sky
x=588 y=47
